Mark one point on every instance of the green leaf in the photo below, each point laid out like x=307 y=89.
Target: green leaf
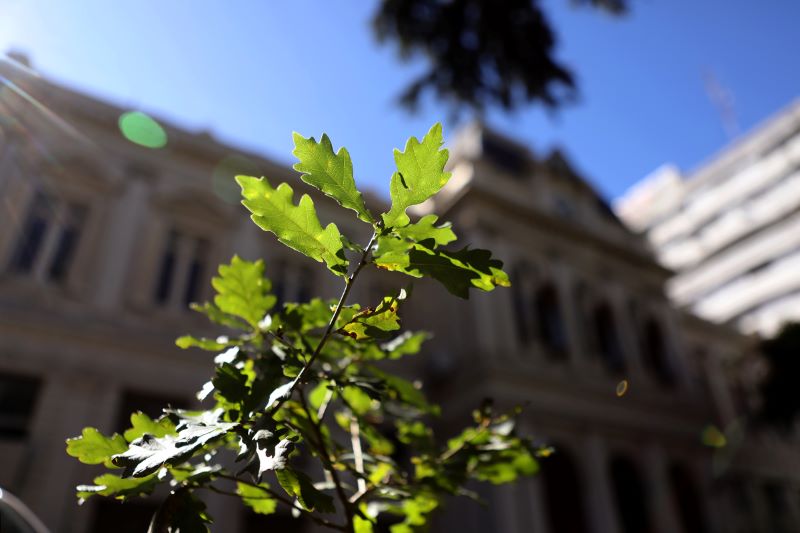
x=402 y=390
x=420 y=174
x=256 y=499
x=304 y=317
x=331 y=173
x=211 y=345
x=507 y=467
x=416 y=512
x=243 y=291
x=147 y=454
x=379 y=322
x=231 y=383
x=111 y=485
x=361 y=525
x=296 y=226
x=141 y=424
x=391 y=253
x=298 y=485
x=280 y=394
x=357 y=399
x=93 y=448
x=214 y=314
x=407 y=343
x=424 y=229
x=273 y=457
x=459 y=271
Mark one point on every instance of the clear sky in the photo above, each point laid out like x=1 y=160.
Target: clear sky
x=253 y=71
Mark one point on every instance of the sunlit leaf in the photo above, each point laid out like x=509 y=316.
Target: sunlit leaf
x=424 y=229
x=141 y=424
x=93 y=448
x=121 y=488
x=420 y=174
x=243 y=291
x=257 y=499
x=330 y=172
x=296 y=226
x=298 y=485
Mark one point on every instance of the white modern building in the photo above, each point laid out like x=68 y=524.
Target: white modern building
x=730 y=228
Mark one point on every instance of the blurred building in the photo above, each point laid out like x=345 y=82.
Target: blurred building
x=104 y=242
x=731 y=228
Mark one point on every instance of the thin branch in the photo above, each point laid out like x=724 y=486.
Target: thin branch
x=326 y=462
x=272 y=494
x=329 y=330
x=358 y=455
x=323 y=407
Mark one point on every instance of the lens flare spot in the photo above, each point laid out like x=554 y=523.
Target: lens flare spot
x=622 y=388
x=140 y=129
x=713 y=437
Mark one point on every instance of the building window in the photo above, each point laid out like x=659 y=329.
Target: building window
x=167 y=270
x=564 y=496
x=197 y=265
x=551 y=322
x=18 y=396
x=655 y=353
x=49 y=238
x=66 y=242
x=31 y=239
x=522 y=312
x=607 y=339
x=631 y=496
x=687 y=497
x=182 y=269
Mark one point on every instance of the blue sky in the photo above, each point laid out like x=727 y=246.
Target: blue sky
x=253 y=71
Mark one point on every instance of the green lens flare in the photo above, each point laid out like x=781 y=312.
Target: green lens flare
x=140 y=129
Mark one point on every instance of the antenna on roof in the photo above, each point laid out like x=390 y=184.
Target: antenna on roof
x=723 y=100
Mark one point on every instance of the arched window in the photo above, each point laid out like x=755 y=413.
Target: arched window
x=550 y=321
x=654 y=352
x=687 y=498
x=630 y=494
x=607 y=338
x=563 y=493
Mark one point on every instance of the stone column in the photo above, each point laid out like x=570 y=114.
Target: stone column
x=117 y=252
x=602 y=508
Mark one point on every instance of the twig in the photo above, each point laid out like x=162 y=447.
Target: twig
x=358 y=455
x=293 y=505
x=345 y=293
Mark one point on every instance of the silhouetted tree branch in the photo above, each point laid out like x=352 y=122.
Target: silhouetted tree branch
x=481 y=53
